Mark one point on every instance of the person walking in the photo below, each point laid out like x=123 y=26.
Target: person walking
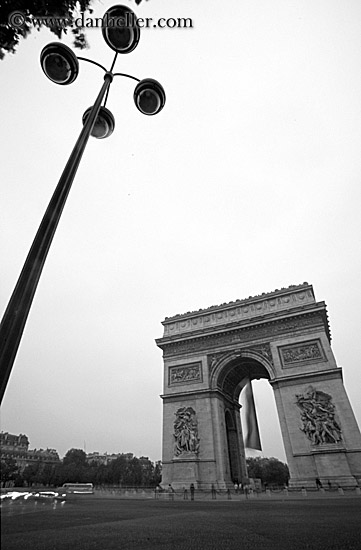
x=318 y=484
x=171 y=492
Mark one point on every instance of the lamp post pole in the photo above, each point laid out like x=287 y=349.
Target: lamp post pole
x=17 y=311
x=61 y=66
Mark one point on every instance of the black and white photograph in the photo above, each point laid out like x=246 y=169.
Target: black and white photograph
x=180 y=243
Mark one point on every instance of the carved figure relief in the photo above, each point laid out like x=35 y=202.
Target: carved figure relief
x=303 y=352
x=186 y=373
x=265 y=350
x=213 y=360
x=185 y=435
x=319 y=422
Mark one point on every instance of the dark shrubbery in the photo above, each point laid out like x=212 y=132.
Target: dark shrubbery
x=126 y=470
x=270 y=471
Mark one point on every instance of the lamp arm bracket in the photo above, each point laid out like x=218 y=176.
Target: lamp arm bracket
x=127 y=75
x=93 y=62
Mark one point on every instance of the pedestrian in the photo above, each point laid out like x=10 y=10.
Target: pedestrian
x=171 y=492
x=213 y=491
x=192 y=491
x=318 y=484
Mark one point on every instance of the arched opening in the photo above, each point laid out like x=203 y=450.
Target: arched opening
x=233 y=375
x=230 y=377
x=268 y=421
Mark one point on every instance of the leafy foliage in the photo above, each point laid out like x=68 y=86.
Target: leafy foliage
x=32 y=473
x=271 y=471
x=10 y=36
x=126 y=470
x=9 y=470
x=76 y=457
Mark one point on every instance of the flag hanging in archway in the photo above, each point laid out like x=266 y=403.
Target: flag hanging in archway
x=251 y=432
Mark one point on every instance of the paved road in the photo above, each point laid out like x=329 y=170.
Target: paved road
x=86 y=524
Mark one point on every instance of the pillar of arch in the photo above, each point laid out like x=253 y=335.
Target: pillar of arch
x=209 y=355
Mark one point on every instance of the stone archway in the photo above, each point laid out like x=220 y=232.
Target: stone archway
x=229 y=376
x=229 y=371
x=209 y=354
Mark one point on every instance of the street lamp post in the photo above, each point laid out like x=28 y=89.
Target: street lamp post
x=60 y=65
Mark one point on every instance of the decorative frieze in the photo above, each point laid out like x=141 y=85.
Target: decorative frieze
x=318 y=415
x=304 y=352
x=183 y=374
x=253 y=306
x=240 y=336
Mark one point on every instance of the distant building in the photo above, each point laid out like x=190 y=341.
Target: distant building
x=17 y=447
x=105 y=458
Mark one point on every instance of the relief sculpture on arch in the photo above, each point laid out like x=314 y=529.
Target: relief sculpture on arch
x=185 y=435
x=318 y=415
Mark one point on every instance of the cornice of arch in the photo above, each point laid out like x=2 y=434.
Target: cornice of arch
x=265 y=328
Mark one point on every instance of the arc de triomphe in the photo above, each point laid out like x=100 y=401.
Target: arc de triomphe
x=209 y=355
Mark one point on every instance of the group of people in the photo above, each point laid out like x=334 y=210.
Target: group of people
x=171 y=492
x=238 y=487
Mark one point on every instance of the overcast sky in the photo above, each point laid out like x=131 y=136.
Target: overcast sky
x=247 y=181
